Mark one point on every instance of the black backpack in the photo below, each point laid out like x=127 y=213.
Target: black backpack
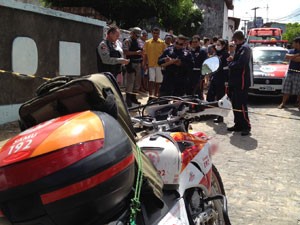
x=65 y=95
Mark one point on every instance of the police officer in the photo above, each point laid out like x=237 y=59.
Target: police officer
x=133 y=50
x=177 y=61
x=217 y=82
x=194 y=83
x=111 y=53
x=239 y=83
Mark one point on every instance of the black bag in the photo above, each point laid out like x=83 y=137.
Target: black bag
x=65 y=95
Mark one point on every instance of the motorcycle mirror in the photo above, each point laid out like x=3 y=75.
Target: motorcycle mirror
x=210 y=65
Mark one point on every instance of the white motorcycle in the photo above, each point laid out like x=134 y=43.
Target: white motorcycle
x=183 y=159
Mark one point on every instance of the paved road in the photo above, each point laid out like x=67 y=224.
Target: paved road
x=261 y=172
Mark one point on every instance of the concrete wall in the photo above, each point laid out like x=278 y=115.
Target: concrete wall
x=213 y=13
x=43 y=42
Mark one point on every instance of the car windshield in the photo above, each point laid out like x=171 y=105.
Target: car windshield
x=269 y=56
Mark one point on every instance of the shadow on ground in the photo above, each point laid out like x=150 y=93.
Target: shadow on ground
x=246 y=143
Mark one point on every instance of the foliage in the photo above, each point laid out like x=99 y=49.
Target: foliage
x=182 y=18
x=178 y=15
x=292 y=31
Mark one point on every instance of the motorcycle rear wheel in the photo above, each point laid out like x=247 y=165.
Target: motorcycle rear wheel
x=194 y=202
x=218 y=188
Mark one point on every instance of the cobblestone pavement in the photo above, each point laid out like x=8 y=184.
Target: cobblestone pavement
x=261 y=172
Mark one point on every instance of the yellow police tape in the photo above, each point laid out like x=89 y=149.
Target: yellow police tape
x=24 y=75
x=236 y=110
x=292 y=70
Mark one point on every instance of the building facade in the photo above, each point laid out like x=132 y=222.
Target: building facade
x=215 y=15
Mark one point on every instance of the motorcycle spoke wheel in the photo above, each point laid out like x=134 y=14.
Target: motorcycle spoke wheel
x=198 y=209
x=218 y=188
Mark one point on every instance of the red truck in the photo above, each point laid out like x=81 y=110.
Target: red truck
x=265 y=35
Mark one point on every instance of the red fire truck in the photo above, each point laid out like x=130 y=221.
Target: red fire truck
x=265 y=35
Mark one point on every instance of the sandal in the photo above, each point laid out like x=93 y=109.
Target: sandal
x=281 y=106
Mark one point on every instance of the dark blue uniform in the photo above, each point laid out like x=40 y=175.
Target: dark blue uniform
x=195 y=77
x=294 y=66
x=239 y=83
x=175 y=77
x=217 y=83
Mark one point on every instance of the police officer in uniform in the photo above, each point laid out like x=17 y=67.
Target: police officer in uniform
x=177 y=61
x=217 y=81
x=195 y=85
x=111 y=53
x=133 y=50
x=239 y=83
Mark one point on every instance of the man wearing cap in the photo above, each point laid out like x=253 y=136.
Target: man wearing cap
x=239 y=83
x=168 y=39
x=133 y=50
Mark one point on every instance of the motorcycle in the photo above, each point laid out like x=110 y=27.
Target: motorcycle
x=79 y=168
x=184 y=159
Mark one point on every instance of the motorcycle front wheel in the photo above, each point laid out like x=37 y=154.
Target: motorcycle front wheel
x=203 y=212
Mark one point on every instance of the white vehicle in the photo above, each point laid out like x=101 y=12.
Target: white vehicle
x=269 y=70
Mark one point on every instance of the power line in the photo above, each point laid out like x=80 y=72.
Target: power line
x=295 y=13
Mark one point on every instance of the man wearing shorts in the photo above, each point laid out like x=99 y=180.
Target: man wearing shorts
x=291 y=84
x=153 y=48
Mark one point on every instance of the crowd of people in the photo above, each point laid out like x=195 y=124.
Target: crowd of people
x=172 y=66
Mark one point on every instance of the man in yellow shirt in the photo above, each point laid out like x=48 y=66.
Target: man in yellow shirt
x=153 y=48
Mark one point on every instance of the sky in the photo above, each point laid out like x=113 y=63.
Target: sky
x=283 y=11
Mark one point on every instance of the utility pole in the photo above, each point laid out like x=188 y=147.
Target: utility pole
x=245 y=26
x=267 y=13
x=255 y=8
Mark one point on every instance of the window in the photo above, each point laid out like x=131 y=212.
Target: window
x=24 y=56
x=69 y=58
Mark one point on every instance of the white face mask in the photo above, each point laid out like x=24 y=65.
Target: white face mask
x=219 y=47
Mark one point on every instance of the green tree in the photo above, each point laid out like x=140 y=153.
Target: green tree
x=292 y=31
x=179 y=15
x=182 y=17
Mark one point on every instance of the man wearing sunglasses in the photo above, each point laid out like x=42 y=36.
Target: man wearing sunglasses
x=177 y=61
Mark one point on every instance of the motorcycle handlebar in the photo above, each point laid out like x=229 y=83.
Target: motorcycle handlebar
x=154 y=122
x=188 y=109
x=183 y=114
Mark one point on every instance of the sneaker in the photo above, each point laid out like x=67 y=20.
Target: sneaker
x=281 y=106
x=128 y=103
x=135 y=101
x=245 y=132
x=234 y=128
x=150 y=99
x=219 y=119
